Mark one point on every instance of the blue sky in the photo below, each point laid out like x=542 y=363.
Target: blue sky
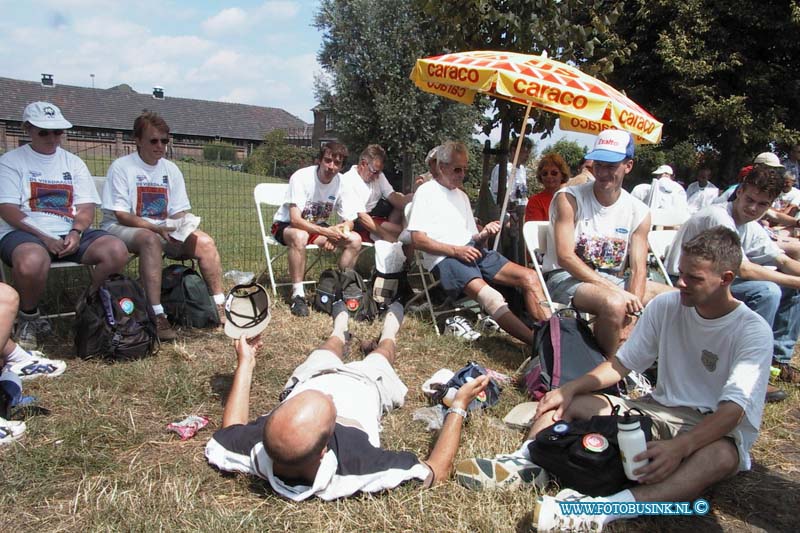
x=248 y=51
x=254 y=52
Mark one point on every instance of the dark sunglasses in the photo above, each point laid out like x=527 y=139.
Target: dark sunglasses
x=553 y=173
x=45 y=133
x=164 y=141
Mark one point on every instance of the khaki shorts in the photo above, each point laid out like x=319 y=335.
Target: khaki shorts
x=373 y=369
x=126 y=234
x=668 y=422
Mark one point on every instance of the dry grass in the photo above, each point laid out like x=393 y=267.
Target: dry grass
x=97 y=456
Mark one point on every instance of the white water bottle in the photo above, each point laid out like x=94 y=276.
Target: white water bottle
x=632 y=442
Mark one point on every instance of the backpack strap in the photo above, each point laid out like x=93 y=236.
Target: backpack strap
x=555 y=339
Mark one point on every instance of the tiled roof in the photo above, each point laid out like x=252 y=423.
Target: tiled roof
x=116 y=108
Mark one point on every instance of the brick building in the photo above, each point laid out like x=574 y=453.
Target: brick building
x=103 y=119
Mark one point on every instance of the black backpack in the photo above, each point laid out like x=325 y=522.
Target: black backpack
x=328 y=291
x=584 y=454
x=564 y=349
x=115 y=322
x=349 y=287
x=185 y=298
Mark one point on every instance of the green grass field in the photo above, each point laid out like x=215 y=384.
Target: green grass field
x=96 y=456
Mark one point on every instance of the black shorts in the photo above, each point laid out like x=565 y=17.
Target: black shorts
x=13 y=239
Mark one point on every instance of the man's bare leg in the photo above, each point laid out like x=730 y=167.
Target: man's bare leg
x=9 y=303
x=507 y=321
x=31 y=263
x=515 y=275
x=148 y=245
x=296 y=241
x=608 y=306
x=201 y=246
x=350 y=251
x=108 y=254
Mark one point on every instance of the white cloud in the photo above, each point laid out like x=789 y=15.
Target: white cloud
x=111 y=28
x=243 y=95
x=228 y=20
x=278 y=10
x=178 y=46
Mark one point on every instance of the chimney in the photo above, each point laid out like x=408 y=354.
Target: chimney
x=158 y=92
x=47 y=80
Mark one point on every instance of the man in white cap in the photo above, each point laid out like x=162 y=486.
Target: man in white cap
x=518 y=190
x=702 y=192
x=47 y=202
x=433 y=170
x=664 y=192
x=144 y=202
x=595 y=230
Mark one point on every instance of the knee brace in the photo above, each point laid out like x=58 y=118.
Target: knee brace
x=492 y=302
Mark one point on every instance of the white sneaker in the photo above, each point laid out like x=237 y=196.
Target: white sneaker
x=487 y=323
x=37 y=365
x=504 y=472
x=547 y=515
x=10 y=430
x=458 y=326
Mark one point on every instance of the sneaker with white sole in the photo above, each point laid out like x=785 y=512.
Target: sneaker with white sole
x=548 y=516
x=458 y=326
x=504 y=472
x=487 y=323
x=10 y=430
x=37 y=365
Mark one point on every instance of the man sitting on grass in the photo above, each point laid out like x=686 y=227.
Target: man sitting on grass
x=706 y=407
x=323 y=439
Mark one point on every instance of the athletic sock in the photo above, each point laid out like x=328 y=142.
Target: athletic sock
x=523 y=452
x=29 y=315
x=392 y=322
x=158 y=309
x=297 y=290
x=17 y=355
x=620 y=497
x=219 y=299
x=340 y=323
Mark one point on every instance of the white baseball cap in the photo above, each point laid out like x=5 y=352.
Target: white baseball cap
x=246 y=311
x=612 y=146
x=664 y=169
x=46 y=116
x=768 y=159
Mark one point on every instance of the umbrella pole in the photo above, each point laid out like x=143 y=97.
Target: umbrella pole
x=513 y=176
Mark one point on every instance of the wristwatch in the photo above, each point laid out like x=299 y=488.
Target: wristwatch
x=455 y=410
x=80 y=233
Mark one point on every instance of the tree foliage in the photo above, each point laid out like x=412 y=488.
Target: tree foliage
x=720 y=74
x=275 y=157
x=368 y=51
x=571 y=151
x=219 y=151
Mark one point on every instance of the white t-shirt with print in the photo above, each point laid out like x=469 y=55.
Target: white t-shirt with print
x=445 y=215
x=365 y=196
x=757 y=247
x=786 y=199
x=47 y=188
x=602 y=234
x=519 y=190
x=152 y=192
x=316 y=200
x=699 y=197
x=703 y=362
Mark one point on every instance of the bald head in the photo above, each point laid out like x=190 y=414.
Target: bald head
x=297 y=431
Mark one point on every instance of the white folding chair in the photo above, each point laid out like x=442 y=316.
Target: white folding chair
x=274 y=195
x=667 y=218
x=659 y=242
x=535 y=234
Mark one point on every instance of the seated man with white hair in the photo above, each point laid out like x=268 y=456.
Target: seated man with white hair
x=443 y=228
x=664 y=192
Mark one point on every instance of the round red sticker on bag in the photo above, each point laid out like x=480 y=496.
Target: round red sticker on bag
x=594 y=442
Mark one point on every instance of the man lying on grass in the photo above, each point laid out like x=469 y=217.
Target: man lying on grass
x=323 y=438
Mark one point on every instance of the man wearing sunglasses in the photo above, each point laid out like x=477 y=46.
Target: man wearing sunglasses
x=443 y=228
x=144 y=196
x=378 y=205
x=47 y=202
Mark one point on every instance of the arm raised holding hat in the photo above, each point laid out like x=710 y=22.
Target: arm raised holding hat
x=237 y=407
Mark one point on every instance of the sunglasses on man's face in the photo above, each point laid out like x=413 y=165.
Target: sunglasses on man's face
x=164 y=141
x=45 y=133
